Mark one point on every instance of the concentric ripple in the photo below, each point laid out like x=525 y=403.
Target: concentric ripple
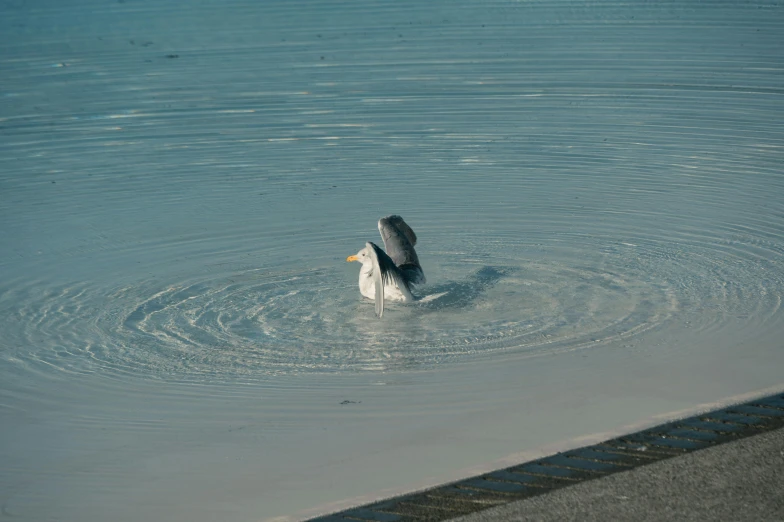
x=306 y=322
x=247 y=323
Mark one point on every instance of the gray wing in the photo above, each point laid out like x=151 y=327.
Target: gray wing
x=384 y=272
x=399 y=241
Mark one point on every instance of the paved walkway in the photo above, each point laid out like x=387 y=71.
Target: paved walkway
x=736 y=481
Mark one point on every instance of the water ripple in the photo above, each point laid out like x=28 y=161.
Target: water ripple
x=248 y=323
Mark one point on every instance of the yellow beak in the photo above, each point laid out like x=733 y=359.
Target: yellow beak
x=352 y=258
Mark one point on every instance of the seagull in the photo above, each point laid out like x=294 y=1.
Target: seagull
x=390 y=274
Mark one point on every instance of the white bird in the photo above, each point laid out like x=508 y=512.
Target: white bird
x=389 y=275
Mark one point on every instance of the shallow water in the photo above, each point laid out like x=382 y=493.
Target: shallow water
x=597 y=189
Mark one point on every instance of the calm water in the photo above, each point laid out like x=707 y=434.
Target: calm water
x=597 y=187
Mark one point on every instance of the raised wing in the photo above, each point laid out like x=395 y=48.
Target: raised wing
x=399 y=241
x=384 y=272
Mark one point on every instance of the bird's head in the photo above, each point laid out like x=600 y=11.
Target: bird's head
x=363 y=256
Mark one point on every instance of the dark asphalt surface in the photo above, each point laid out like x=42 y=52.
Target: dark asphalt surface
x=737 y=481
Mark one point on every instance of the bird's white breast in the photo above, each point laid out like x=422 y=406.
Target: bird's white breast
x=368 y=289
